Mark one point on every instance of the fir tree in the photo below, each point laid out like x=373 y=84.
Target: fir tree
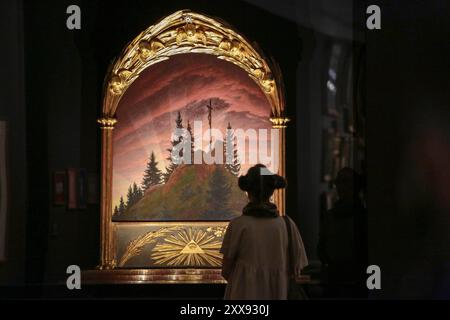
x=172 y=166
x=169 y=169
x=227 y=150
x=116 y=211
x=152 y=176
x=137 y=193
x=235 y=167
x=189 y=129
x=129 y=197
x=179 y=121
x=232 y=163
x=122 y=207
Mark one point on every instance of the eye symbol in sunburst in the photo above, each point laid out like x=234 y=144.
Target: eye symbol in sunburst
x=189 y=248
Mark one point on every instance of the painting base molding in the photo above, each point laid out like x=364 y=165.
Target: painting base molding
x=162 y=276
x=153 y=276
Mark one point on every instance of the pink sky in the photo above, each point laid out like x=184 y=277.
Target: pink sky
x=146 y=113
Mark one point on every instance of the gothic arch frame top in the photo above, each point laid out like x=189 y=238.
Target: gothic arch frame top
x=189 y=32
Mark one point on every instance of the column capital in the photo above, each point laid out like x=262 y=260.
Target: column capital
x=107 y=123
x=279 y=122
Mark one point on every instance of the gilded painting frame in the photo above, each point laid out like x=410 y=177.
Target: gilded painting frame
x=179 y=33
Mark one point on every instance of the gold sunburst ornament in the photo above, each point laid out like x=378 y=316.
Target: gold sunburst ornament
x=189 y=247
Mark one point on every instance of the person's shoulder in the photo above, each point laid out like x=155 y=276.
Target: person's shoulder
x=292 y=223
x=289 y=219
x=244 y=221
x=237 y=220
x=239 y=223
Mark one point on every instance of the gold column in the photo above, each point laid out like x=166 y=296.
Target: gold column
x=107 y=260
x=280 y=194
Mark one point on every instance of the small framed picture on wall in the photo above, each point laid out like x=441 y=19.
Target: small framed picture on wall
x=72 y=189
x=59 y=188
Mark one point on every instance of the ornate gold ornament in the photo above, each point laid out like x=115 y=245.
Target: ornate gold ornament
x=190 y=247
x=107 y=123
x=189 y=32
x=280 y=122
x=134 y=248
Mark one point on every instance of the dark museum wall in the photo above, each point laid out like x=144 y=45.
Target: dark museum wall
x=408 y=138
x=13 y=110
x=62 y=133
x=51 y=94
x=63 y=83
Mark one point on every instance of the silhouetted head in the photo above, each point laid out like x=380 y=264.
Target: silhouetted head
x=260 y=183
x=348 y=183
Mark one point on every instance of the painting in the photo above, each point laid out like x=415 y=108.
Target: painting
x=188 y=107
x=209 y=99
x=3 y=189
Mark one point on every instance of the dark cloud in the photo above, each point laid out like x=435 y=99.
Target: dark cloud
x=147 y=111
